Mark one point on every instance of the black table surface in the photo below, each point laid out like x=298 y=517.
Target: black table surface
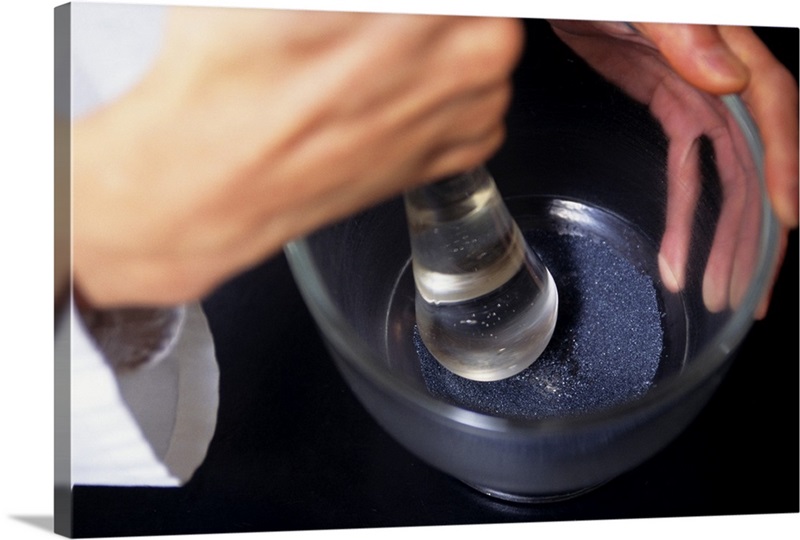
x=294 y=450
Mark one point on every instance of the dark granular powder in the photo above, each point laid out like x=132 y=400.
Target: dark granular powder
x=605 y=349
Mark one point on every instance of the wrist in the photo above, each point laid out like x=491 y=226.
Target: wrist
x=131 y=337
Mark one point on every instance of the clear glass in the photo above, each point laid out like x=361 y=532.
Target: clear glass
x=486 y=306
x=583 y=157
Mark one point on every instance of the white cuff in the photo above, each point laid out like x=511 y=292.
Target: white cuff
x=150 y=426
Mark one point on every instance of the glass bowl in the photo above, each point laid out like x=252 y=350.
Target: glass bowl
x=682 y=203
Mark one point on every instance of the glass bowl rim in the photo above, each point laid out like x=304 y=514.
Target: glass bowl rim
x=345 y=340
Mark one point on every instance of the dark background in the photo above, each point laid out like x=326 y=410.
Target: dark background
x=294 y=450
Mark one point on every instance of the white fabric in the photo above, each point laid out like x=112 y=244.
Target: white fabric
x=107 y=446
x=175 y=401
x=151 y=426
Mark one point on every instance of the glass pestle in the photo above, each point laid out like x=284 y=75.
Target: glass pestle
x=485 y=304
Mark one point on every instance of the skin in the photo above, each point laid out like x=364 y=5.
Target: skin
x=659 y=65
x=255 y=127
x=732 y=59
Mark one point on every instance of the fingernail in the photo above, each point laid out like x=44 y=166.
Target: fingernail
x=763 y=308
x=672 y=278
x=786 y=209
x=726 y=66
x=715 y=294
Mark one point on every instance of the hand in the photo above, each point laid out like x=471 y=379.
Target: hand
x=728 y=59
x=718 y=60
x=256 y=126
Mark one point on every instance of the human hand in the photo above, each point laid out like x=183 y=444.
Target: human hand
x=728 y=59
x=653 y=65
x=256 y=126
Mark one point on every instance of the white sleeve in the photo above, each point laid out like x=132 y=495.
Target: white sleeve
x=145 y=426
x=148 y=426
x=107 y=446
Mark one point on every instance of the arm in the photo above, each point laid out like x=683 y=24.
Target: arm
x=257 y=126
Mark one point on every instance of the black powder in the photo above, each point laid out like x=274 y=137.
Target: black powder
x=605 y=349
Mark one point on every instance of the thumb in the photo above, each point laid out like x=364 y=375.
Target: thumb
x=699 y=54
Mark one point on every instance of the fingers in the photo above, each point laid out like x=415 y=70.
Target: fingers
x=773 y=101
x=683 y=190
x=724 y=60
x=732 y=59
x=700 y=55
x=717 y=288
